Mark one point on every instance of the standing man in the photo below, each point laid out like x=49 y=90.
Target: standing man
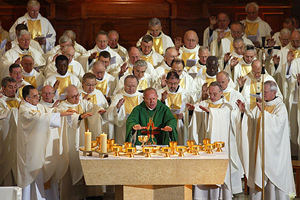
x=113 y=43
x=148 y=54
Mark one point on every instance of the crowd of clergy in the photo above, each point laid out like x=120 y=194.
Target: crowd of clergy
x=50 y=95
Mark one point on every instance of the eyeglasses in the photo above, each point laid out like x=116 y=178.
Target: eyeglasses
x=75 y=96
x=48 y=93
x=35 y=96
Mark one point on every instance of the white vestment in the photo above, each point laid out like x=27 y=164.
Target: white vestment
x=208 y=39
x=164 y=68
x=185 y=54
x=122 y=51
x=198 y=69
x=46 y=29
x=153 y=57
x=107 y=84
x=34 y=78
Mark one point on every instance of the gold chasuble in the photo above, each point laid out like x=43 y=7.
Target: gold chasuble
x=142 y=84
x=186 y=55
x=246 y=69
x=26 y=54
x=70 y=68
x=251 y=28
x=92 y=98
x=12 y=104
x=209 y=80
x=167 y=71
x=227 y=34
x=211 y=105
x=231 y=47
x=129 y=70
x=227 y=96
x=102 y=86
x=174 y=101
x=130 y=103
x=35 y=28
x=182 y=83
x=255 y=87
x=63 y=83
x=30 y=79
x=148 y=59
x=296 y=53
x=158 y=45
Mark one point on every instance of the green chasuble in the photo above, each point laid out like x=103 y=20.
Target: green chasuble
x=162 y=117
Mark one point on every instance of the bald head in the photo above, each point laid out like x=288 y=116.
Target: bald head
x=48 y=94
x=223 y=21
x=99 y=69
x=69 y=52
x=170 y=54
x=256 y=69
x=223 y=79
x=134 y=55
x=295 y=39
x=190 y=39
x=72 y=94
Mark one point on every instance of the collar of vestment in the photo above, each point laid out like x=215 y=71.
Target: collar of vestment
x=4 y=97
x=100 y=50
x=200 y=63
x=190 y=50
x=148 y=55
x=178 y=90
x=32 y=73
x=49 y=105
x=220 y=101
x=166 y=66
x=250 y=75
x=23 y=51
x=62 y=76
x=130 y=95
x=159 y=104
x=228 y=89
x=275 y=101
x=257 y=20
x=115 y=47
x=159 y=35
x=210 y=76
x=28 y=17
x=68 y=104
x=33 y=107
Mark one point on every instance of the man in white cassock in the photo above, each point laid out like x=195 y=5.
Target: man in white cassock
x=189 y=51
x=135 y=54
x=148 y=54
x=47 y=96
x=211 y=119
x=113 y=43
x=200 y=67
x=30 y=74
x=145 y=80
x=78 y=48
x=170 y=54
x=37 y=25
x=88 y=117
x=250 y=85
x=160 y=41
x=279 y=178
x=9 y=105
x=255 y=27
x=36 y=163
x=74 y=66
x=63 y=78
x=15 y=54
x=15 y=71
x=176 y=98
x=121 y=106
x=91 y=56
x=236 y=66
x=223 y=30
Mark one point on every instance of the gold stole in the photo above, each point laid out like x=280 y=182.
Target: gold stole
x=30 y=79
x=255 y=87
x=186 y=55
x=21 y=55
x=227 y=96
x=92 y=98
x=209 y=80
x=129 y=70
x=246 y=69
x=251 y=28
x=296 y=53
x=148 y=59
x=167 y=71
x=227 y=34
x=203 y=71
x=130 y=103
x=182 y=83
x=35 y=111
x=35 y=28
x=143 y=84
x=231 y=47
x=211 y=105
x=175 y=102
x=158 y=45
x=12 y=104
x=20 y=92
x=102 y=86
x=70 y=68
x=63 y=83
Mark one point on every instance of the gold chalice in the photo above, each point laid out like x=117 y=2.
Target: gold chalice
x=116 y=149
x=167 y=151
x=190 y=143
x=93 y=144
x=156 y=149
x=196 y=149
x=110 y=143
x=219 y=146
x=173 y=145
x=148 y=151
x=98 y=142
x=143 y=139
x=181 y=150
x=130 y=151
x=209 y=148
x=206 y=141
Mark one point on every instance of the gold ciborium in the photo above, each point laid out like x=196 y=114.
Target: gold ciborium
x=167 y=151
x=181 y=150
x=143 y=139
x=127 y=145
x=116 y=149
x=190 y=143
x=148 y=151
x=110 y=143
x=173 y=145
x=130 y=151
x=219 y=146
x=209 y=148
x=156 y=149
x=206 y=141
x=94 y=144
x=196 y=149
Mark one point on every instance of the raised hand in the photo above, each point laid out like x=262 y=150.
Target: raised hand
x=137 y=127
x=120 y=103
x=164 y=96
x=56 y=84
x=167 y=128
x=123 y=69
x=178 y=42
x=276 y=59
x=190 y=106
x=227 y=57
x=93 y=56
x=241 y=105
x=205 y=109
x=233 y=62
x=241 y=81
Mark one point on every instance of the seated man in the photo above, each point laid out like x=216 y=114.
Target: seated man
x=149 y=114
x=200 y=67
x=165 y=66
x=15 y=71
x=160 y=41
x=148 y=54
x=113 y=39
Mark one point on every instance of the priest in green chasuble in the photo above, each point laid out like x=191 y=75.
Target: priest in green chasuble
x=151 y=117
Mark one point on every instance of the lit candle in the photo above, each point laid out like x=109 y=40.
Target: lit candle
x=88 y=141
x=103 y=143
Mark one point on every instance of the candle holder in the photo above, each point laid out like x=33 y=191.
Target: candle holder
x=173 y=145
x=166 y=151
x=209 y=148
x=110 y=143
x=130 y=151
x=181 y=150
x=190 y=143
x=219 y=146
x=87 y=153
x=117 y=149
x=196 y=149
x=143 y=139
x=148 y=151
